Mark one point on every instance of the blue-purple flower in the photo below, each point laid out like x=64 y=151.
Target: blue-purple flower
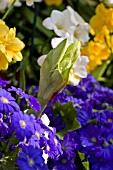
x=30 y=158
x=7 y=102
x=22 y=124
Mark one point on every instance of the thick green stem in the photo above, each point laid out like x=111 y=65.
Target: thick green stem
x=8 y=10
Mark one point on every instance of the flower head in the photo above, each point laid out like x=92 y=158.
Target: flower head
x=22 y=124
x=7 y=102
x=30 y=158
x=10 y=46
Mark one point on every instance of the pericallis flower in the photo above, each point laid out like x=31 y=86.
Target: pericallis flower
x=7 y=102
x=23 y=125
x=90 y=137
x=3 y=83
x=63 y=164
x=3 y=127
x=30 y=158
x=69 y=145
x=33 y=102
x=98 y=164
x=10 y=46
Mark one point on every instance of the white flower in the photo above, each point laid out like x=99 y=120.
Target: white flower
x=31 y=2
x=67 y=24
x=59 y=22
x=78 y=70
x=108 y=2
x=3 y=4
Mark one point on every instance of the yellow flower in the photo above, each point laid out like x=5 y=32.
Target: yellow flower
x=53 y=2
x=10 y=46
x=97 y=52
x=103 y=17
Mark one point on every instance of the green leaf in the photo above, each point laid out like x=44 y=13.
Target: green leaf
x=54 y=73
x=69 y=116
x=86 y=165
x=99 y=71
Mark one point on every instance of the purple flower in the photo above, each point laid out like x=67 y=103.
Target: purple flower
x=69 y=144
x=3 y=83
x=98 y=164
x=34 y=104
x=64 y=164
x=90 y=136
x=3 y=126
x=86 y=114
x=23 y=125
x=30 y=158
x=7 y=102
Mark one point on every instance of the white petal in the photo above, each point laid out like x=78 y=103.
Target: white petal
x=29 y=2
x=48 y=23
x=45 y=120
x=75 y=17
x=41 y=59
x=56 y=41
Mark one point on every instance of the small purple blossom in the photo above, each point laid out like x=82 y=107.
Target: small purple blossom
x=7 y=102
x=22 y=124
x=30 y=158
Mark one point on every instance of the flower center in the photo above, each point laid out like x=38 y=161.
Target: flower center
x=37 y=134
x=93 y=139
x=109 y=120
x=4 y=100
x=105 y=144
x=64 y=161
x=22 y=124
x=30 y=162
x=59 y=27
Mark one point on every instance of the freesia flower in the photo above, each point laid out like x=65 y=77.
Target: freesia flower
x=108 y=2
x=78 y=70
x=53 y=2
x=3 y=4
x=73 y=27
x=103 y=17
x=10 y=46
x=31 y=2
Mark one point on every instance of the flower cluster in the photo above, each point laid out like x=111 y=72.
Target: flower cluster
x=100 y=48
x=73 y=28
x=93 y=105
x=29 y=136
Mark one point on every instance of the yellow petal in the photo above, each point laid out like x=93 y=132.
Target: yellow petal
x=4 y=29
x=53 y=2
x=15 y=45
x=3 y=62
x=9 y=55
x=17 y=56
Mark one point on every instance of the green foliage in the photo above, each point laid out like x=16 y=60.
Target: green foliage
x=68 y=113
